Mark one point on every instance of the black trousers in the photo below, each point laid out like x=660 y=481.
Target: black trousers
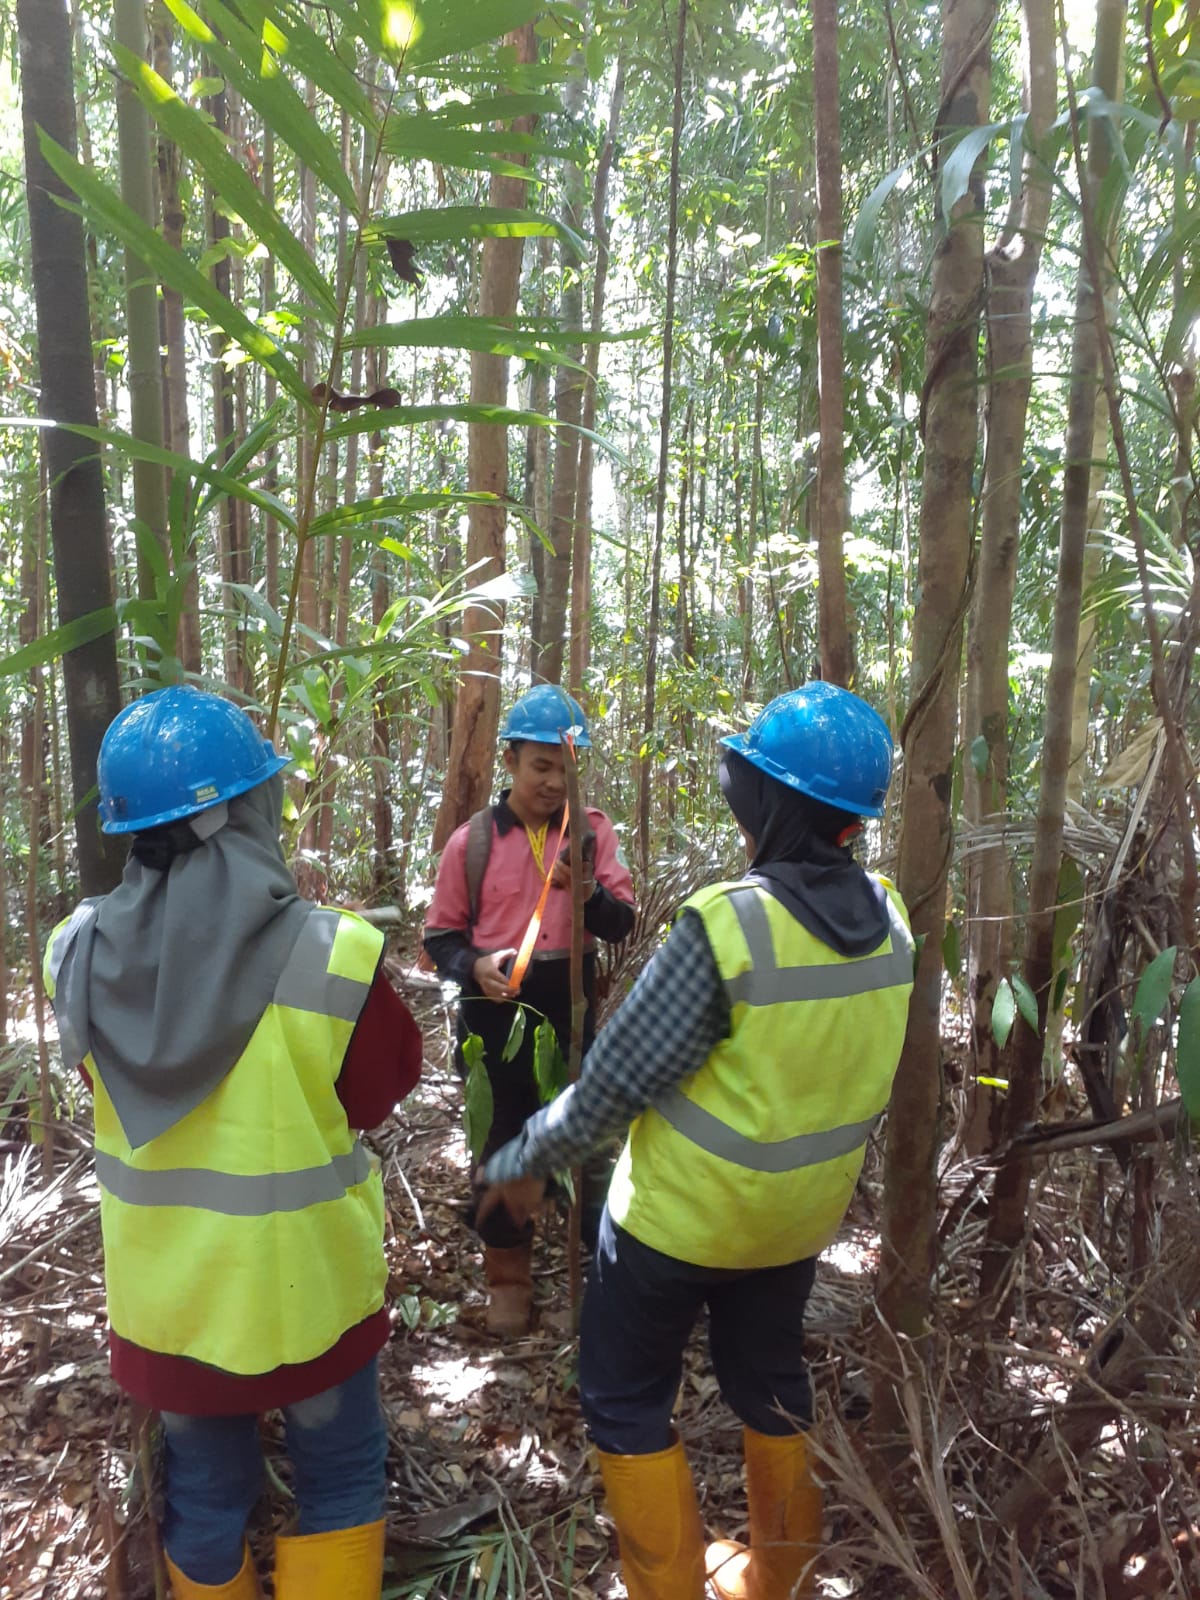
x=638 y=1311
x=545 y=992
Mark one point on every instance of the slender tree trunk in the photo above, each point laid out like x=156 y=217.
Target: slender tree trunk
x=1012 y=269
x=950 y=427
x=1006 y=1223
x=477 y=708
x=174 y=333
x=81 y=558
x=837 y=658
x=144 y=369
x=270 y=387
x=581 y=548
x=223 y=418
x=547 y=663
x=648 y=757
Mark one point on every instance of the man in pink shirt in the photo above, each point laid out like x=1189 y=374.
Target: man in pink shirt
x=489 y=882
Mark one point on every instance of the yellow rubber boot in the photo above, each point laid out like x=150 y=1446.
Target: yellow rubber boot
x=243 y=1587
x=346 y=1564
x=785 y=1525
x=652 y=1500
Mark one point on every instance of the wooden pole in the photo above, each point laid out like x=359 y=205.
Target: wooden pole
x=578 y=1009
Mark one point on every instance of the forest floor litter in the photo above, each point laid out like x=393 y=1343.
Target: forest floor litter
x=493 y=1491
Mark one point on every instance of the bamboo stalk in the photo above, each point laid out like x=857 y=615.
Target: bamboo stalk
x=578 y=1011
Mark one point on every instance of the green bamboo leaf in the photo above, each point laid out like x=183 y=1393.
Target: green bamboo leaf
x=365 y=513
x=200 y=143
x=425 y=138
x=291 y=39
x=862 y=240
x=171 y=266
x=249 y=64
x=1004 y=1012
x=204 y=471
x=49 y=646
x=1026 y=1001
x=502 y=416
x=1153 y=990
x=1187 y=1049
x=527 y=337
x=959 y=163
x=501 y=108
x=417 y=33
x=439 y=224
x=486 y=334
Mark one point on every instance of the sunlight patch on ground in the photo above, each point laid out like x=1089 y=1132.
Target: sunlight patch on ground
x=453 y=1379
x=848 y=1257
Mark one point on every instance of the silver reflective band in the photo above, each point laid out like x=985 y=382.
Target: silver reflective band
x=234 y=1194
x=768 y=984
x=306 y=983
x=780 y=1155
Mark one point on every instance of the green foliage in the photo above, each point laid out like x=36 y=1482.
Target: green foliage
x=478 y=1101
x=1153 y=992
x=549 y=1066
x=1187 y=1049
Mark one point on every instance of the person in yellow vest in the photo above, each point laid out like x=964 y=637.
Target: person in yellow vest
x=234 y=1036
x=753 y=1056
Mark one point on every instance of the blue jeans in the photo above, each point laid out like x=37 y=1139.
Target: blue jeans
x=638 y=1312
x=337 y=1442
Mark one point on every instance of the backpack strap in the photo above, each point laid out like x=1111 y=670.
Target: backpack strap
x=479 y=849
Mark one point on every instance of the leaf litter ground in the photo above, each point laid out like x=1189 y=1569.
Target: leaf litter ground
x=492 y=1489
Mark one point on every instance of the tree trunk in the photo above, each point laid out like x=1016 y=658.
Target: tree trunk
x=949 y=422
x=144 y=369
x=648 y=757
x=223 y=421
x=1006 y=1223
x=174 y=337
x=477 y=707
x=548 y=646
x=837 y=659
x=81 y=558
x=581 y=548
x=1012 y=269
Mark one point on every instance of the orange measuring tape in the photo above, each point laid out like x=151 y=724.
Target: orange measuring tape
x=525 y=953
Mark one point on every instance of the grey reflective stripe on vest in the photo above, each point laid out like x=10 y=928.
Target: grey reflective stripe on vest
x=306 y=983
x=769 y=984
x=234 y=1194
x=779 y=1155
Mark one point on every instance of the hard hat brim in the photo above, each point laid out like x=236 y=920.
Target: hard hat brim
x=230 y=792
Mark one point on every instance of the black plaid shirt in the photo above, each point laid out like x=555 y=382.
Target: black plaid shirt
x=673 y=1018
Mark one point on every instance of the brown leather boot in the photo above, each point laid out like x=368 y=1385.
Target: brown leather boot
x=510 y=1289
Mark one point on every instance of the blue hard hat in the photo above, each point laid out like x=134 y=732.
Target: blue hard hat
x=824 y=742
x=544 y=713
x=176 y=752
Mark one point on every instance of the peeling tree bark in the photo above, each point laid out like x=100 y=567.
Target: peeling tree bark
x=949 y=420
x=477 y=707
x=1006 y=1223
x=1012 y=266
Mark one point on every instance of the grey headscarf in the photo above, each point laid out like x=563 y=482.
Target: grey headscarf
x=164 y=980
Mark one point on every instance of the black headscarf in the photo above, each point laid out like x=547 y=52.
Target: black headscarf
x=798 y=860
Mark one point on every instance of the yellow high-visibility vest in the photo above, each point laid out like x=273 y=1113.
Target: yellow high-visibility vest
x=752 y=1160
x=249 y=1235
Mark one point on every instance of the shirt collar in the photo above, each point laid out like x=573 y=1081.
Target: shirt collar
x=507 y=818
